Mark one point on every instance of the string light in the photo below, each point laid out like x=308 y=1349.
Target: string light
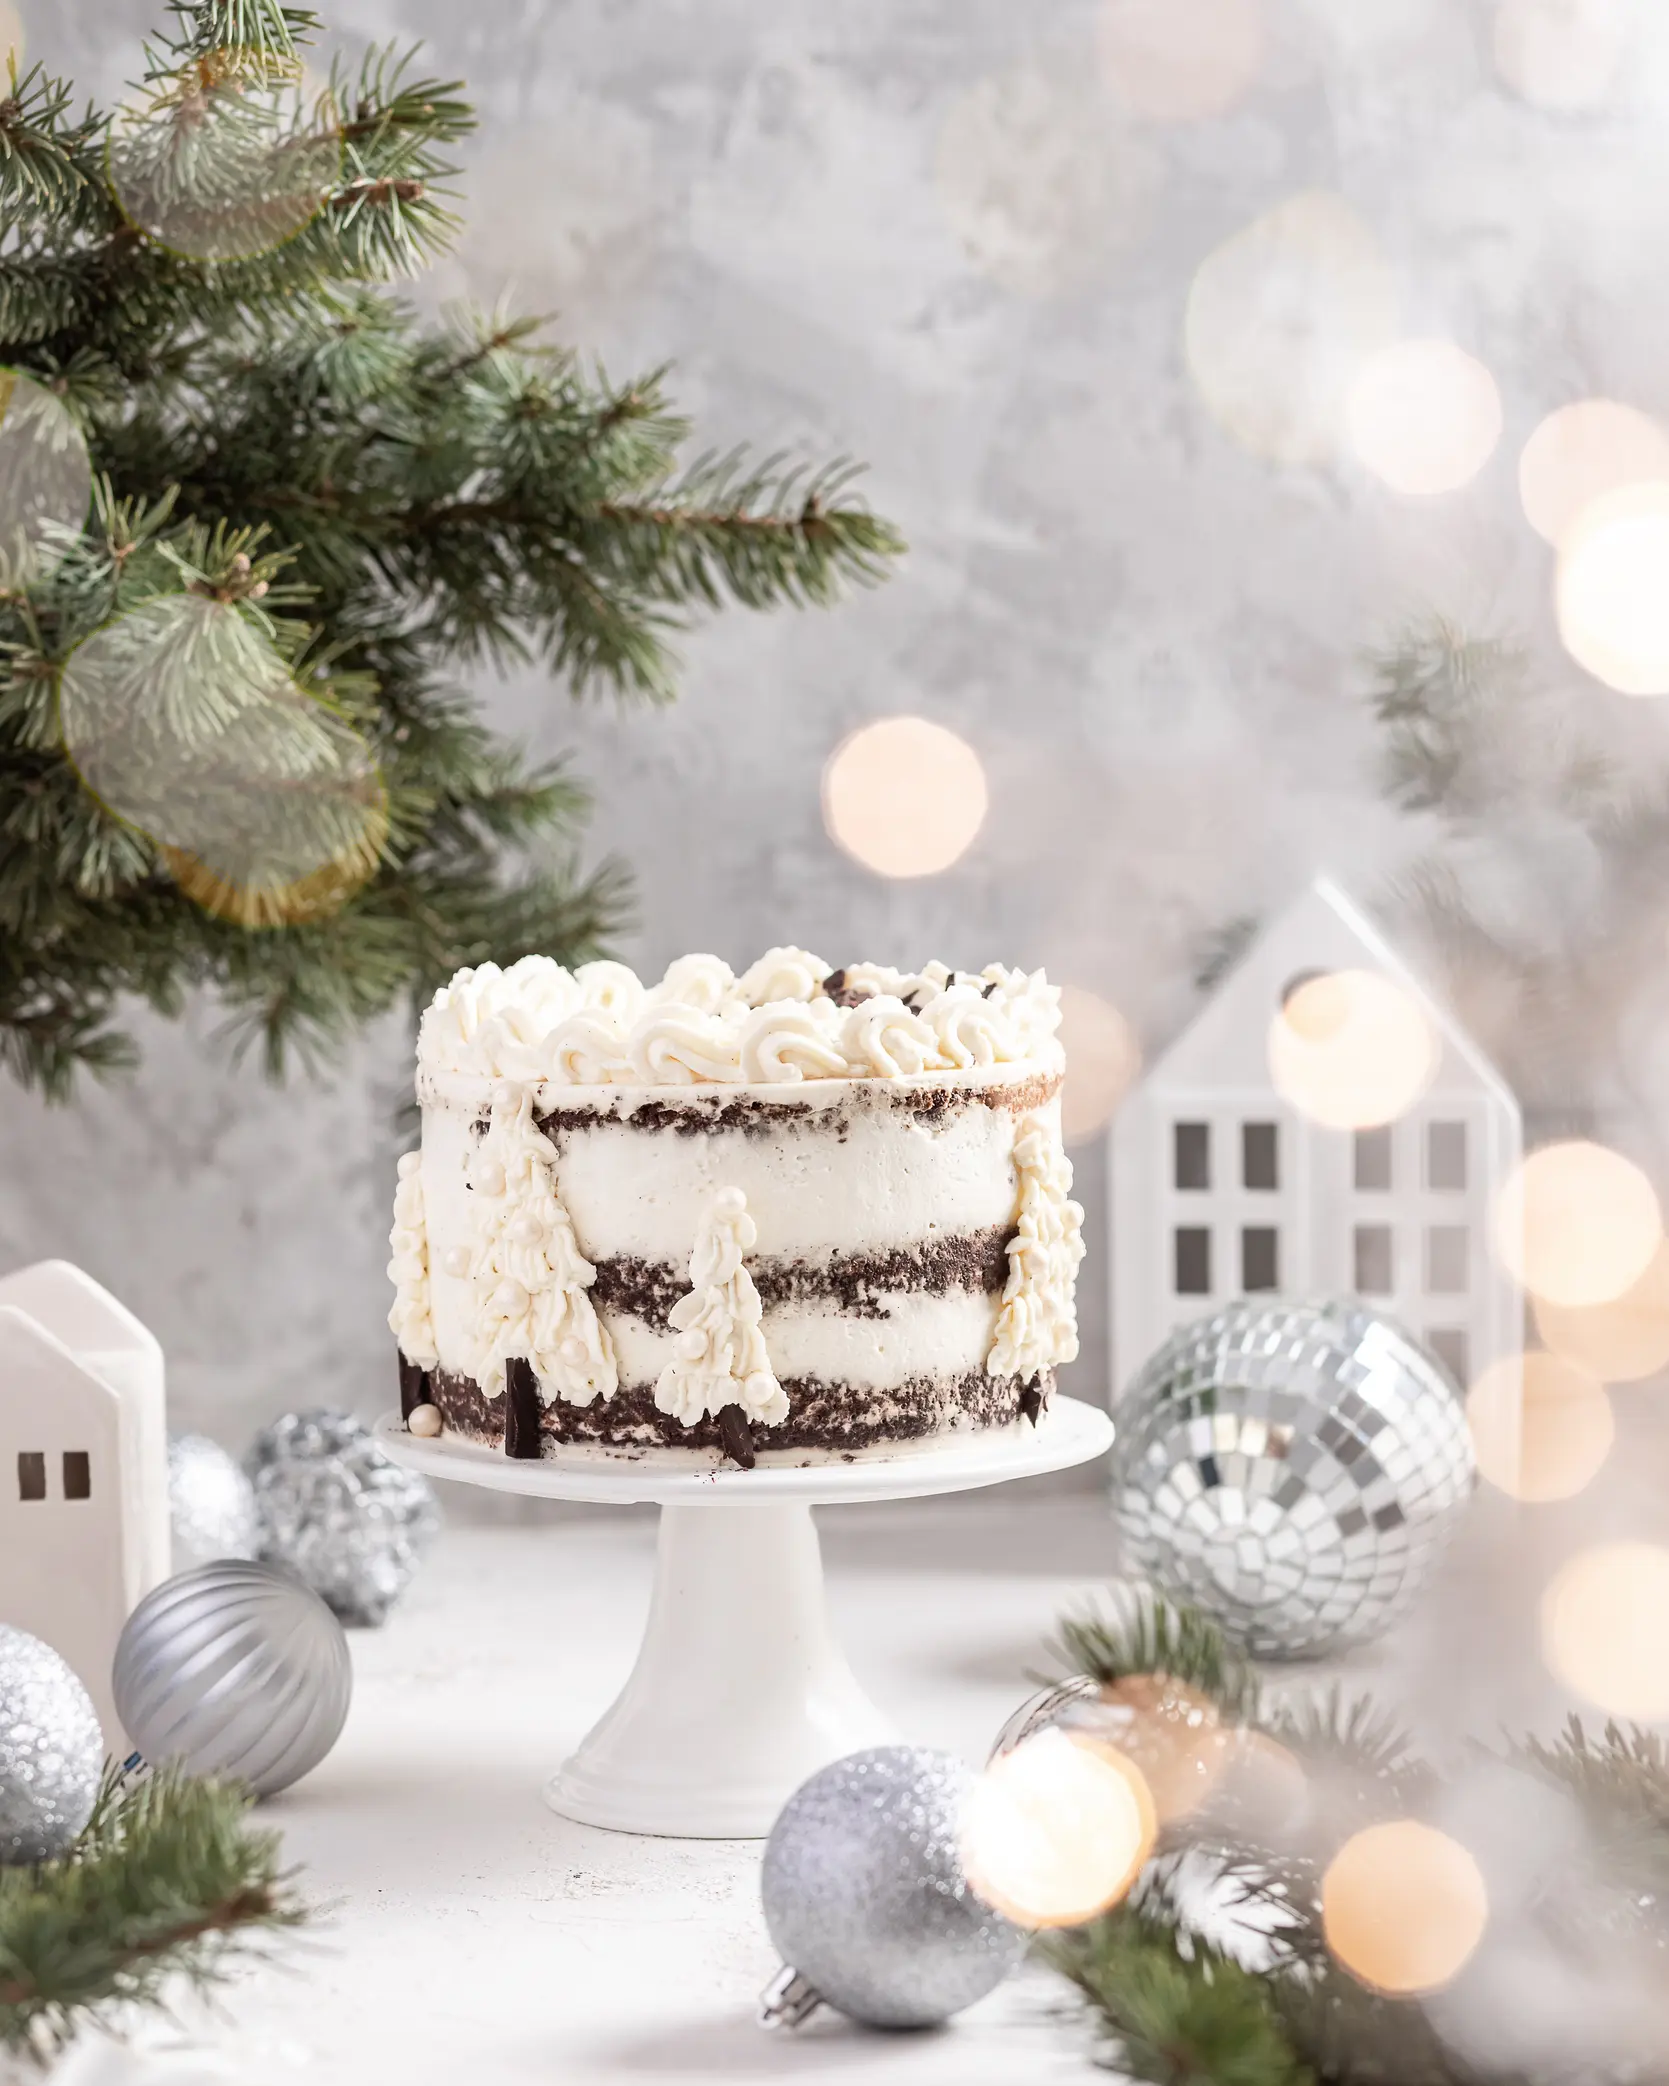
x=1578 y=1224
x=1403 y=1907
x=1351 y=1049
x=1582 y=452
x=904 y=796
x=1103 y=1060
x=1620 y=1341
x=1176 y=61
x=1605 y=1628
x=1057 y=1830
x=1424 y=416
x=1280 y=317
x=1541 y=1429
x=1613 y=588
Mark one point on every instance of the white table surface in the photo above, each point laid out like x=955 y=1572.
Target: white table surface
x=479 y=1940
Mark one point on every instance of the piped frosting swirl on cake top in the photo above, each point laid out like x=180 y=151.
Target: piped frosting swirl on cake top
x=787 y=1018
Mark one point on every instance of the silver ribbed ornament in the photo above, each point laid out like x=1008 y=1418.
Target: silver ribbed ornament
x=211 y=1504
x=866 y=1901
x=51 y=1750
x=1292 y=1469
x=339 y=1513
x=236 y=1669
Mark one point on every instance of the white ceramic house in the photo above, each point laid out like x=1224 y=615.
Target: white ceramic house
x=83 y=1469
x=1220 y=1189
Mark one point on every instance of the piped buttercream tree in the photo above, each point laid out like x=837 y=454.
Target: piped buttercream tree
x=1038 y=1326
x=721 y=1365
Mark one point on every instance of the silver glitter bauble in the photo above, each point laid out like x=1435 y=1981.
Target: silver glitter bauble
x=1292 y=1469
x=865 y=1896
x=339 y=1513
x=211 y=1504
x=51 y=1750
x=236 y=1669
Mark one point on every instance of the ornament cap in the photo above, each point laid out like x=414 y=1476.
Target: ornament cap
x=789 y=2000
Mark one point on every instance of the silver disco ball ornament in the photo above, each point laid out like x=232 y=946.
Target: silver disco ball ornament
x=236 y=1670
x=866 y=1901
x=340 y=1514
x=1293 y=1470
x=51 y=1751
x=211 y=1504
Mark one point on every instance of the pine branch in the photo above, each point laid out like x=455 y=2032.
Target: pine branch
x=1138 y=1631
x=168 y=1881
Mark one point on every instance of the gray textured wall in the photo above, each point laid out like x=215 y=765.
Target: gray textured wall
x=927 y=232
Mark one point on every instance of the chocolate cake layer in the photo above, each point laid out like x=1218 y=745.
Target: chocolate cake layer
x=760 y=1116
x=831 y=1418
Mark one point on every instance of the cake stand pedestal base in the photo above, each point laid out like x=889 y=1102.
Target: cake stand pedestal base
x=740 y=1690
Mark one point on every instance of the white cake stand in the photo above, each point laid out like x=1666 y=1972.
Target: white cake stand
x=739 y=1691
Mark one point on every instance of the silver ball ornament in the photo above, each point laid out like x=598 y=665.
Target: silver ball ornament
x=1292 y=1469
x=51 y=1751
x=237 y=1670
x=211 y=1504
x=341 y=1515
x=865 y=1896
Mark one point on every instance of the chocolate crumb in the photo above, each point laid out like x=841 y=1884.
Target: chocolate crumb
x=522 y=1410
x=737 y=1436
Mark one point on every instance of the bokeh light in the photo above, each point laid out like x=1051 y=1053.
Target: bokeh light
x=1620 y=1341
x=1403 y=1907
x=1175 y=61
x=1605 y=1628
x=1613 y=588
x=46 y=478
x=1103 y=1062
x=183 y=721
x=1578 y=1224
x=1424 y=416
x=1170 y=1733
x=1057 y=1830
x=1582 y=452
x=904 y=796
x=1541 y=1429
x=226 y=158
x=1281 y=317
x=1352 y=1049
x=1039 y=180
x=1561 y=54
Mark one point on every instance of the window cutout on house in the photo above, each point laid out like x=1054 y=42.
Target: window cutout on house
x=1446 y=1260
x=31 y=1474
x=1449 y=1345
x=1260 y=1166
x=1193 y=1261
x=1373 y=1160
x=1446 y=1157
x=78 y=1474
x=1191 y=1155
x=1260 y=1258
x=1375 y=1266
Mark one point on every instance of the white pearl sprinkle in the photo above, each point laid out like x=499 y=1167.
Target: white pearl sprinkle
x=425 y=1422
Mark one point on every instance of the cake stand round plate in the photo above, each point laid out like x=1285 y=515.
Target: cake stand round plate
x=740 y=1690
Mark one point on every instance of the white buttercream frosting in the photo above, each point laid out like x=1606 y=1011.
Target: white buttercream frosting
x=410 y=1319
x=527 y=1277
x=720 y=1356
x=539 y=1024
x=1038 y=1325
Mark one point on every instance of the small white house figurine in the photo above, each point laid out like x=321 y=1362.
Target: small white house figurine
x=1221 y=1188
x=83 y=1469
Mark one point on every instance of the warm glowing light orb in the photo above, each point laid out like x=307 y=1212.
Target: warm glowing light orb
x=1352 y=1049
x=1424 y=416
x=1561 y=54
x=1605 y=1628
x=1582 y=452
x=1403 y=1907
x=1057 y=1830
x=1541 y=1429
x=1620 y=1341
x=1103 y=1059
x=1613 y=588
x=904 y=796
x=1175 y=61
x=1578 y=1224
x=1280 y=317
